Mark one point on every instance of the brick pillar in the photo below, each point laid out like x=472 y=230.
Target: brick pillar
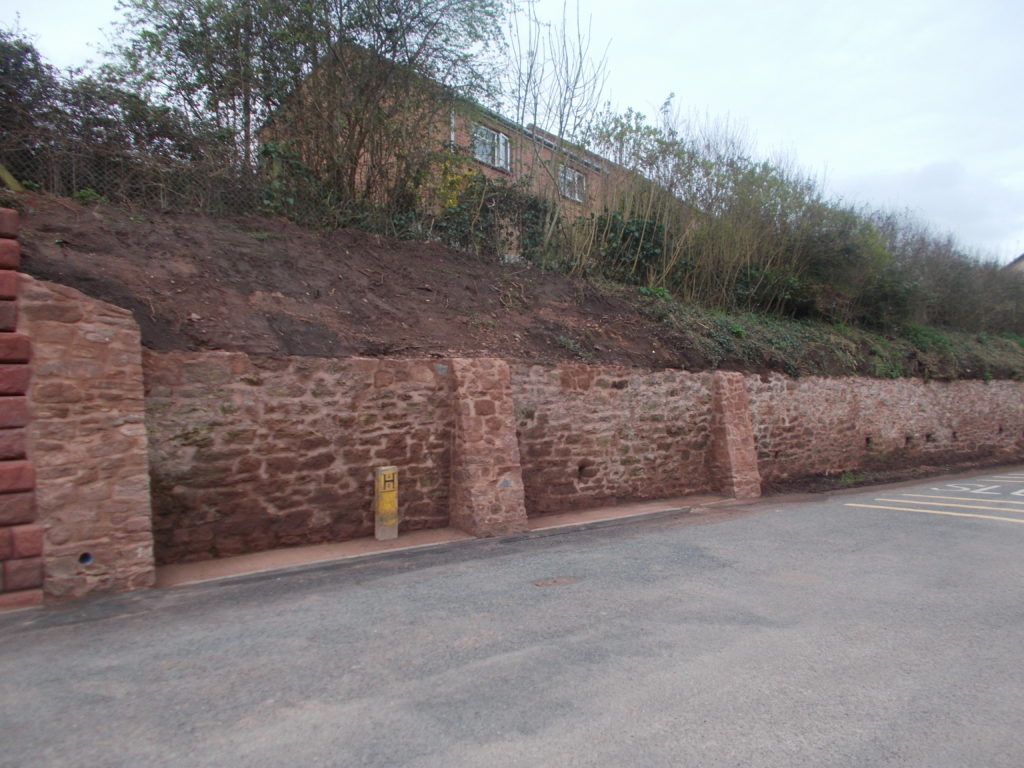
x=486 y=495
x=21 y=539
x=732 y=455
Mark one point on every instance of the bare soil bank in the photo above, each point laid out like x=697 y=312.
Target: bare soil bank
x=268 y=287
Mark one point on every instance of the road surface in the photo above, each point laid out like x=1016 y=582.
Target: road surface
x=883 y=627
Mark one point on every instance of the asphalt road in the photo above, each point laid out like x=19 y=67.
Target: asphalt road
x=878 y=628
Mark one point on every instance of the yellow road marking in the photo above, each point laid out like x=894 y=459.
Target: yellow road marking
x=961 y=498
x=958 y=506
x=938 y=512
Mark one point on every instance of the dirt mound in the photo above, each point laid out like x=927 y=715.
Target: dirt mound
x=266 y=286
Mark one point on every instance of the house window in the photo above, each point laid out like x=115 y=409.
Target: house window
x=571 y=183
x=490 y=147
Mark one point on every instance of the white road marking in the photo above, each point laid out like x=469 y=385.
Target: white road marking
x=968 y=488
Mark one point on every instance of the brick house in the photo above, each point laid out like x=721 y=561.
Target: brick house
x=575 y=182
x=552 y=168
x=424 y=127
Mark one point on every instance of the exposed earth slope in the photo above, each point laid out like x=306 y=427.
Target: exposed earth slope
x=267 y=286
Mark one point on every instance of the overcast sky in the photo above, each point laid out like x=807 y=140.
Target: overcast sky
x=898 y=103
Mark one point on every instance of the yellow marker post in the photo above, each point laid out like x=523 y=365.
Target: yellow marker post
x=385 y=503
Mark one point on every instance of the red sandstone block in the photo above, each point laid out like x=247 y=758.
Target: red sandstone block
x=8 y=314
x=14 y=348
x=12 y=444
x=8 y=284
x=13 y=411
x=10 y=254
x=17 y=508
x=26 y=540
x=25 y=598
x=55 y=313
x=9 y=220
x=26 y=573
x=484 y=407
x=6 y=546
x=61 y=392
x=14 y=378
x=16 y=476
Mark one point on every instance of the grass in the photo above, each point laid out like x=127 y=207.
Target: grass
x=805 y=347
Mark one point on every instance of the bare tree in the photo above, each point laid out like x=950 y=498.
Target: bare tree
x=552 y=86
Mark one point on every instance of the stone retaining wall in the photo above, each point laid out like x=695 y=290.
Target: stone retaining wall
x=251 y=453
x=241 y=453
x=814 y=426
x=487 y=481
x=87 y=440
x=589 y=435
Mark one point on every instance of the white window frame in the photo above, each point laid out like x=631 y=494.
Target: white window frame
x=490 y=147
x=572 y=183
